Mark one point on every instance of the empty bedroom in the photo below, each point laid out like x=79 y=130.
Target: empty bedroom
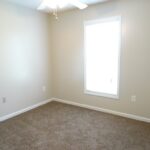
x=74 y=74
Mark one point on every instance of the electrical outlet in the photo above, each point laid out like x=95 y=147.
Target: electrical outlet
x=133 y=98
x=3 y=100
x=44 y=88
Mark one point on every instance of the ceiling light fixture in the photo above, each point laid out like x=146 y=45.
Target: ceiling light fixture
x=54 y=5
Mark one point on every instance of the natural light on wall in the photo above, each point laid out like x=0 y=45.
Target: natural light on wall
x=102 y=57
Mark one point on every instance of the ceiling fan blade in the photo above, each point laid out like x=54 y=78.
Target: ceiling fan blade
x=43 y=5
x=78 y=4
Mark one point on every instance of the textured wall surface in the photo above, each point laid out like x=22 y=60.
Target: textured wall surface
x=24 y=58
x=34 y=45
x=68 y=59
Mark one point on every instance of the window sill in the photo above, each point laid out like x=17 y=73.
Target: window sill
x=115 y=97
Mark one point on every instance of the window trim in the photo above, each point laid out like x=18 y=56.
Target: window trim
x=116 y=97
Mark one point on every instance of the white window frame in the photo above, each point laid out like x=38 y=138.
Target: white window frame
x=116 y=97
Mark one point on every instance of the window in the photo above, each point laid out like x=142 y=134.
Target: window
x=102 y=57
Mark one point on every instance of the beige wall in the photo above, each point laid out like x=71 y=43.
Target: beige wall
x=67 y=55
x=24 y=58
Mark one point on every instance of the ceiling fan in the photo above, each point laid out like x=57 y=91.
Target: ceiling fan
x=54 y=5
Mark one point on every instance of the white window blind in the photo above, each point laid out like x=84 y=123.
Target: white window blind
x=102 y=57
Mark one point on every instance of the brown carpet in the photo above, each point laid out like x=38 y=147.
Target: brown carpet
x=57 y=126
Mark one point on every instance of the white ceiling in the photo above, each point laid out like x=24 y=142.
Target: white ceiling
x=35 y=3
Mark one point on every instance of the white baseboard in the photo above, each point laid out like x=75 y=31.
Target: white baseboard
x=24 y=110
x=135 y=117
